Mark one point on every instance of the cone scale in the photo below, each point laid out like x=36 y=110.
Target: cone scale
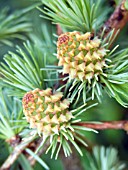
x=46 y=111
x=82 y=57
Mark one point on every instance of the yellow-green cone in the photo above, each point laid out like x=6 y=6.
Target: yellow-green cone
x=46 y=112
x=81 y=56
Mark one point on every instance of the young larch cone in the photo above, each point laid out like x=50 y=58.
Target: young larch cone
x=81 y=56
x=46 y=111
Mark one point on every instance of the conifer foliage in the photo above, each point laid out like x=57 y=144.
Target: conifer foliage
x=50 y=81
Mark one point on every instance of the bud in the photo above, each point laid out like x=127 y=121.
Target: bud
x=46 y=111
x=81 y=56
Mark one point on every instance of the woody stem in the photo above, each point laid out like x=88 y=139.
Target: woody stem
x=123 y=124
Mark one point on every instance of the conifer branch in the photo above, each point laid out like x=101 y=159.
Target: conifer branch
x=18 y=149
x=117 y=20
x=36 y=144
x=123 y=124
x=14 y=155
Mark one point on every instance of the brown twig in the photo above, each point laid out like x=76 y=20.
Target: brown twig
x=122 y=124
x=17 y=150
x=117 y=20
x=30 y=158
x=59 y=30
x=13 y=156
